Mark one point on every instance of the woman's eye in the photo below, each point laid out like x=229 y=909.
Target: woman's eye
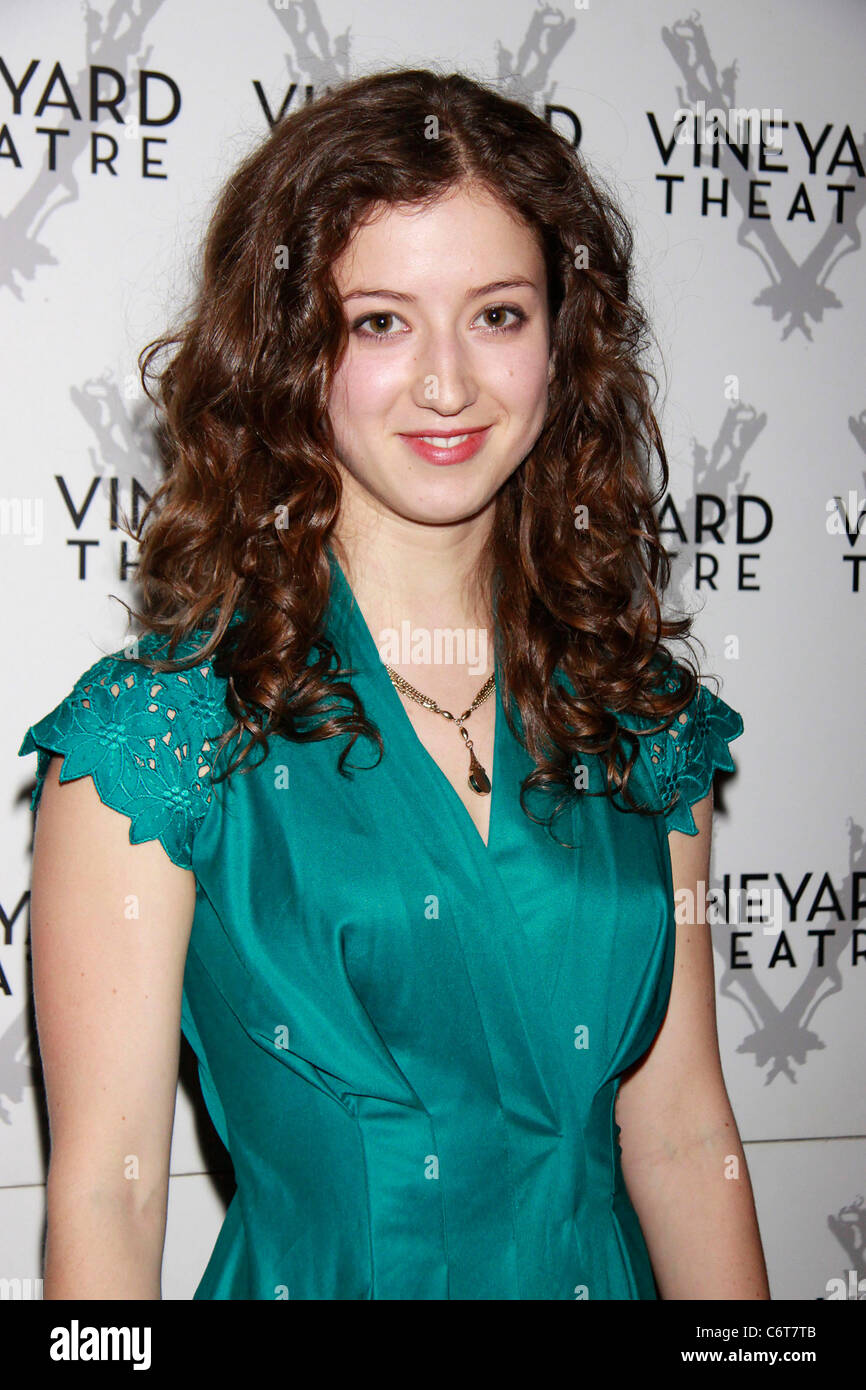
x=500 y=310
x=376 y=319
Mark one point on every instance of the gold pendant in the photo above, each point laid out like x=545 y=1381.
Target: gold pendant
x=478 y=779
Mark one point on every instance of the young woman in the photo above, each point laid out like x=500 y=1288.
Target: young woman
x=393 y=828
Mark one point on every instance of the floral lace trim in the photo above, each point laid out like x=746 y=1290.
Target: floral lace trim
x=686 y=756
x=146 y=740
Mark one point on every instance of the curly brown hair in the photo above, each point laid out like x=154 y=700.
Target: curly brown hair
x=243 y=421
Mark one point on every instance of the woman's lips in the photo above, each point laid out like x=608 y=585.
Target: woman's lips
x=453 y=453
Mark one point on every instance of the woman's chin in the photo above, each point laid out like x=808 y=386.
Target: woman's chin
x=450 y=512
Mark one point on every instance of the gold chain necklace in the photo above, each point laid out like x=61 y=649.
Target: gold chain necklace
x=478 y=779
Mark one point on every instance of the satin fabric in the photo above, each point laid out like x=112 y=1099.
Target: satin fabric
x=411 y=1043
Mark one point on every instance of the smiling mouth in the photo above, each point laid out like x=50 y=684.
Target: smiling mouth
x=447 y=438
x=445 y=441
x=448 y=446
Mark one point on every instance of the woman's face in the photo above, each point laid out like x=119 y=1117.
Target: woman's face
x=434 y=349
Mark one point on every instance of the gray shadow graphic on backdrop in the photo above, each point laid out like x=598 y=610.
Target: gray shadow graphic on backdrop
x=797 y=293
x=854 y=517
x=852 y=509
x=522 y=76
x=17 y=1065
x=849 y=1228
x=322 y=60
x=857 y=426
x=782 y=1037
x=125 y=446
x=113 y=40
x=717 y=471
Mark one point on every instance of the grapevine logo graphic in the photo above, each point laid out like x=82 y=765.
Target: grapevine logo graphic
x=797 y=293
x=55 y=106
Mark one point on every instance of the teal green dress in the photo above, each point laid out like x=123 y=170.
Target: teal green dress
x=409 y=1043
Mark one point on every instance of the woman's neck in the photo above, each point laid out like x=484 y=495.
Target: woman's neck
x=420 y=575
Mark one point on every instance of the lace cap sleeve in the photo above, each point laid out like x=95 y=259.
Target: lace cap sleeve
x=146 y=738
x=686 y=755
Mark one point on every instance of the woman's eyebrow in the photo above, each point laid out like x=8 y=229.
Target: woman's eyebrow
x=474 y=293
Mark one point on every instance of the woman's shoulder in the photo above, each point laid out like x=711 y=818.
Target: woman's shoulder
x=686 y=755
x=146 y=738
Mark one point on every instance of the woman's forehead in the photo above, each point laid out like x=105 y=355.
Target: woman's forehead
x=464 y=233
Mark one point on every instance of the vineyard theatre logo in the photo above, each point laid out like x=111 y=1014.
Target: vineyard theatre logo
x=716 y=532
x=50 y=105
x=85 y=518
x=76 y=1343
x=846 y=515
x=818 y=947
x=314 y=50
x=523 y=75
x=48 y=123
x=794 y=173
x=125 y=457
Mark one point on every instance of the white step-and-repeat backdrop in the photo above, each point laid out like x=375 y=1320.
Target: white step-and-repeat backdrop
x=118 y=123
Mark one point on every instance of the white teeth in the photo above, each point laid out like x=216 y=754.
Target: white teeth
x=441 y=443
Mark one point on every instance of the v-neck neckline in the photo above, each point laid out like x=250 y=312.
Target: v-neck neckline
x=344 y=604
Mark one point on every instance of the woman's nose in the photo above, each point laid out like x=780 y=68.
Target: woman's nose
x=444 y=376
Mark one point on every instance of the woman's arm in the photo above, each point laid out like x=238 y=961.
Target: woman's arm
x=110 y=925
x=682 y=1158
